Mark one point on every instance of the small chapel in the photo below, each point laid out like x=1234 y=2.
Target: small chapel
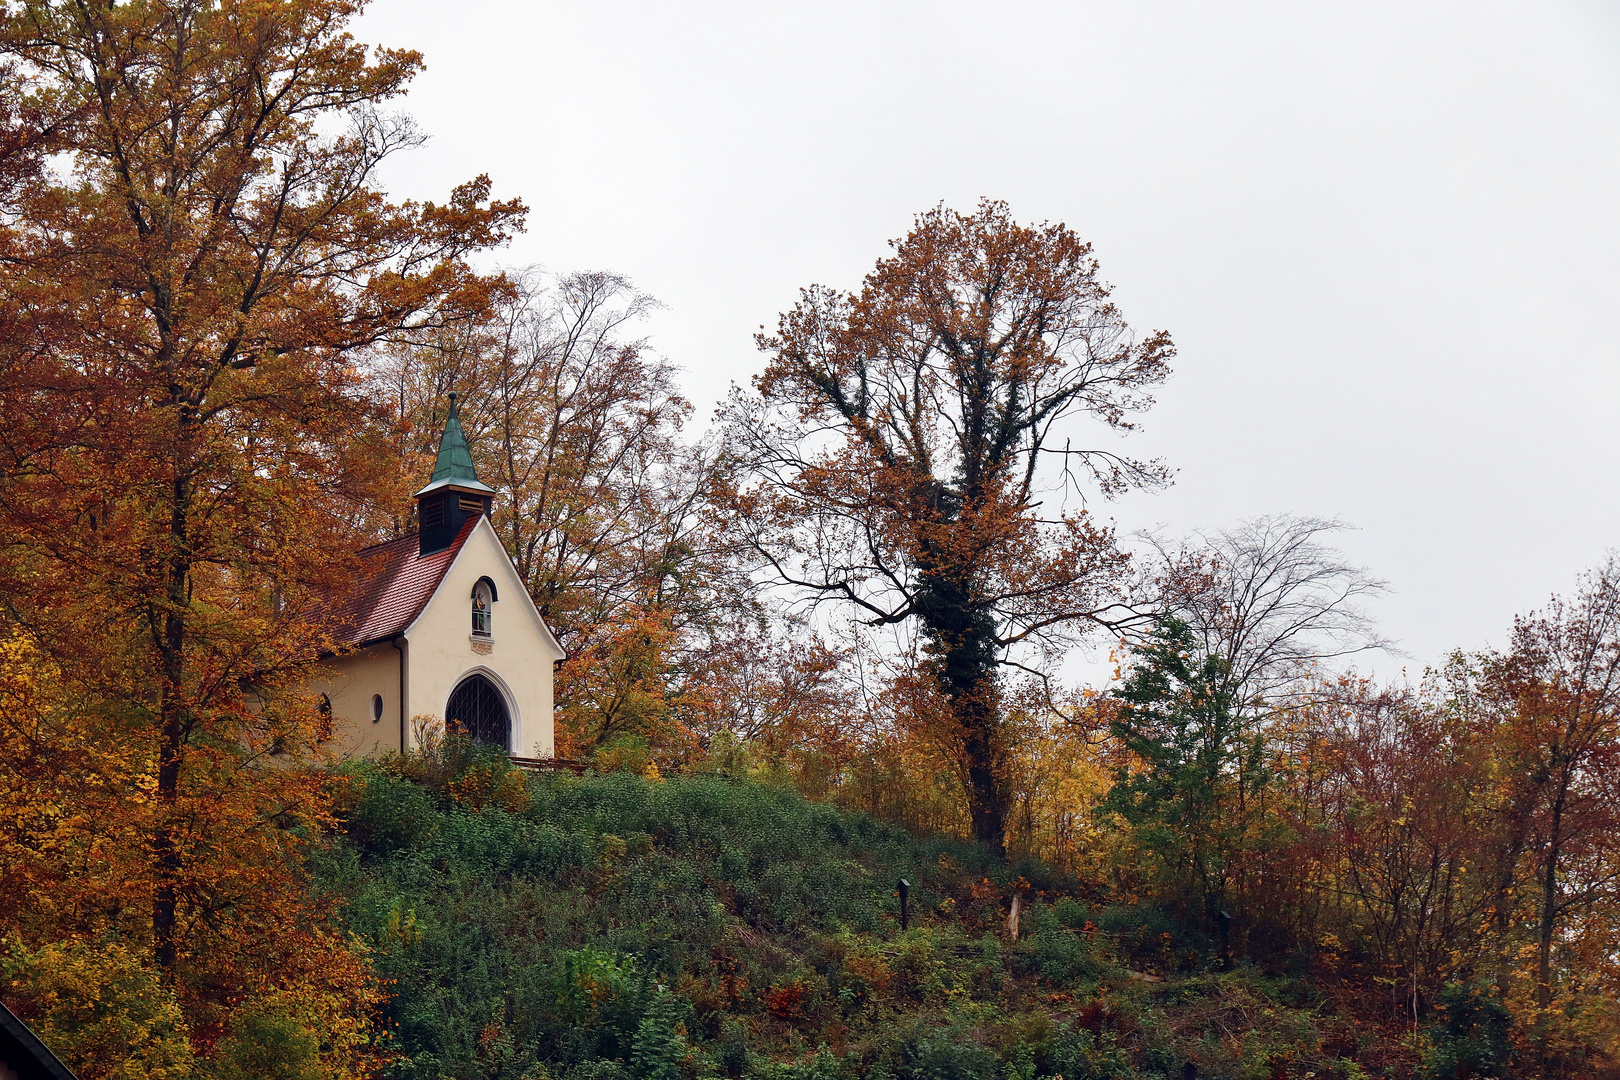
x=440 y=624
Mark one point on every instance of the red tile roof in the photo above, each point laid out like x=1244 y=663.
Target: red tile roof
x=395 y=584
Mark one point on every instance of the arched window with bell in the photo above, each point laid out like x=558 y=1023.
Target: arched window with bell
x=483 y=608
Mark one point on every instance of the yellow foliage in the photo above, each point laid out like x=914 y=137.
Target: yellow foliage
x=1058 y=773
x=100 y=1008
x=77 y=814
x=1055 y=772
x=478 y=787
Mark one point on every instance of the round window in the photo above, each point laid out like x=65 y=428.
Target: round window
x=376 y=707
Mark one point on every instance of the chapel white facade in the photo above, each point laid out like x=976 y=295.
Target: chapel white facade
x=440 y=626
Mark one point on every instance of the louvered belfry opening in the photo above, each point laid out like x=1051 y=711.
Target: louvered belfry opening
x=479 y=709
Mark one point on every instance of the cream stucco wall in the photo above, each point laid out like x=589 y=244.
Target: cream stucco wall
x=520 y=651
x=350 y=684
x=439 y=651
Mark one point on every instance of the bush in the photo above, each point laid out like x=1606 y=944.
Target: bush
x=1473 y=1037
x=617 y=927
x=930 y=1053
x=1061 y=956
x=265 y=1044
x=1083 y=1054
x=101 y=1009
x=387 y=813
x=662 y=1049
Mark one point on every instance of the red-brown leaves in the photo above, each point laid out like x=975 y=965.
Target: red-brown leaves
x=189 y=451
x=906 y=437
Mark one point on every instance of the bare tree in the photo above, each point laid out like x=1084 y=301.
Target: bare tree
x=1272 y=599
x=578 y=424
x=604 y=502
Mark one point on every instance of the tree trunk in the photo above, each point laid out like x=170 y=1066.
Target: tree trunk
x=1549 y=906
x=1514 y=837
x=964 y=636
x=987 y=796
x=173 y=725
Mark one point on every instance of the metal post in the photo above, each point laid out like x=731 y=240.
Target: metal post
x=905 y=915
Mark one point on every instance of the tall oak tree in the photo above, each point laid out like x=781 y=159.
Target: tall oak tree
x=905 y=444
x=186 y=292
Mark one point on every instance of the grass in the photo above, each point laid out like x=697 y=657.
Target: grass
x=607 y=927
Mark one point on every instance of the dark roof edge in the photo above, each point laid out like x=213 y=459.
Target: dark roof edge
x=16 y=1038
x=358 y=646
x=361 y=646
x=385 y=543
x=477 y=487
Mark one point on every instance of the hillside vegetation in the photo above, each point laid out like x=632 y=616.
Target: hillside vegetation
x=616 y=926
x=859 y=590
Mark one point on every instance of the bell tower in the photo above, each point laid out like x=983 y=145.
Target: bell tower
x=454 y=494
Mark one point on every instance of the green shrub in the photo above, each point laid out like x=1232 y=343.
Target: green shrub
x=663 y=1048
x=1061 y=956
x=944 y=1055
x=1082 y=1054
x=389 y=813
x=265 y=1044
x=616 y=927
x=821 y=1065
x=1072 y=914
x=1472 y=1038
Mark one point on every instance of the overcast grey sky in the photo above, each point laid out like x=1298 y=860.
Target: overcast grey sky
x=1386 y=237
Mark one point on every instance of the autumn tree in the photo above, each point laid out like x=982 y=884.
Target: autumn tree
x=1249 y=616
x=1387 y=797
x=1556 y=693
x=905 y=445
x=76 y=867
x=186 y=294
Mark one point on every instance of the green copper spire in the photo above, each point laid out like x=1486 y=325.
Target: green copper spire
x=455 y=462
x=454 y=467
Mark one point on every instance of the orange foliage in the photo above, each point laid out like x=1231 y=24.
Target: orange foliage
x=78 y=805
x=190 y=457
x=786 y=1001
x=901 y=444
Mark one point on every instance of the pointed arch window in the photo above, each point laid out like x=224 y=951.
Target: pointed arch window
x=478 y=708
x=483 y=608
